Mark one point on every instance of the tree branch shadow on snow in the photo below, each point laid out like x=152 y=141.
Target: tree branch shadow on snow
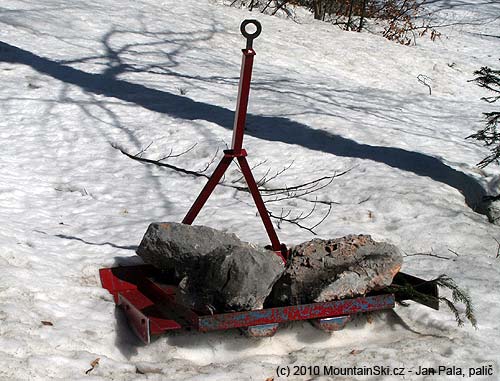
x=394 y=320
x=387 y=318
x=64 y=236
x=492 y=7
x=465 y=17
x=451 y=4
x=269 y=128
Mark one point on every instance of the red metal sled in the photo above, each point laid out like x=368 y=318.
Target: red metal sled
x=152 y=309
x=149 y=300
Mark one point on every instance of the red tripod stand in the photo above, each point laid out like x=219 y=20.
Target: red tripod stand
x=236 y=151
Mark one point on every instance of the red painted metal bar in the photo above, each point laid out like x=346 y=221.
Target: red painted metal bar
x=299 y=312
x=119 y=279
x=264 y=215
x=166 y=307
x=150 y=306
x=208 y=189
x=236 y=150
x=242 y=103
x=138 y=321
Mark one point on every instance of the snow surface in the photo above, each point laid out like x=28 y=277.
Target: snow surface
x=81 y=78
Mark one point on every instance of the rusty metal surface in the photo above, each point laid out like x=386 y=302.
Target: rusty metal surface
x=331 y=324
x=264 y=330
x=299 y=312
x=151 y=307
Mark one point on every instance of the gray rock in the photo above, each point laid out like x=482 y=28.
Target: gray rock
x=174 y=247
x=216 y=270
x=232 y=278
x=325 y=270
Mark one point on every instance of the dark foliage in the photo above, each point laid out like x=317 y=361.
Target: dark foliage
x=398 y=18
x=458 y=295
x=489 y=135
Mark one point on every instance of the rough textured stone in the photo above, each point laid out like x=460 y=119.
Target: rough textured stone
x=173 y=247
x=232 y=278
x=324 y=270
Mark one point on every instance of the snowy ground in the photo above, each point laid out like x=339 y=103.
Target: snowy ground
x=80 y=78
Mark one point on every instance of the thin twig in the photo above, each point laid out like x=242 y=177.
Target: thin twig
x=297 y=220
x=423 y=80
x=324 y=217
x=144 y=149
x=156 y=162
x=212 y=160
x=253 y=167
x=179 y=154
x=293 y=192
x=430 y=254
x=364 y=200
x=335 y=175
x=292 y=221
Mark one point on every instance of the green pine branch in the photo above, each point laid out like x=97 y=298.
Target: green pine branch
x=489 y=135
x=458 y=295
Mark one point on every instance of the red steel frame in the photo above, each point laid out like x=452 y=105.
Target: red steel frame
x=152 y=309
x=151 y=306
x=238 y=153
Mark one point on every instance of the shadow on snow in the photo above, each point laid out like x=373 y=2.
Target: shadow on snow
x=277 y=129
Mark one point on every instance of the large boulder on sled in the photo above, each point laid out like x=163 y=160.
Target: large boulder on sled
x=325 y=270
x=177 y=248
x=216 y=270
x=232 y=278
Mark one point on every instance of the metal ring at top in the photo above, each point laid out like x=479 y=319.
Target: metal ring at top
x=250 y=36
